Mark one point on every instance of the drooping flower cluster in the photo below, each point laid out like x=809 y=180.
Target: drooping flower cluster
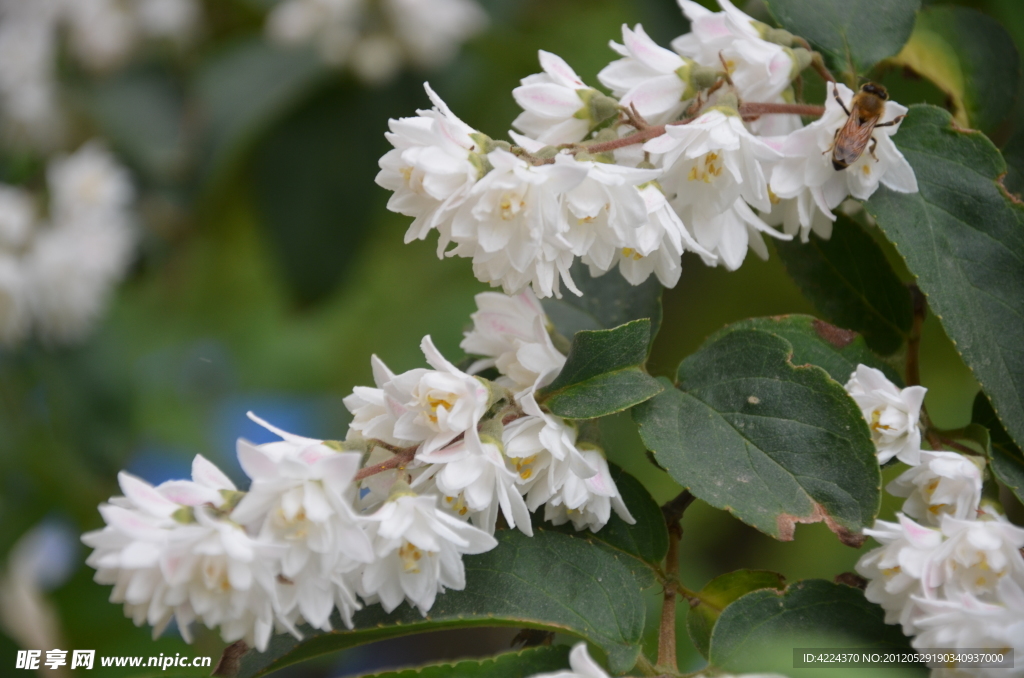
x=685 y=154
x=582 y=665
x=101 y=35
x=57 y=271
x=949 y=570
x=432 y=457
x=375 y=38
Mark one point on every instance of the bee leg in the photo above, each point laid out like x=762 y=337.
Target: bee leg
x=835 y=93
x=874 y=145
x=894 y=121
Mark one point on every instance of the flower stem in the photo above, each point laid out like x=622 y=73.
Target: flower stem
x=402 y=457
x=755 y=109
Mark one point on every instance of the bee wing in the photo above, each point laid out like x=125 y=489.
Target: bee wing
x=853 y=139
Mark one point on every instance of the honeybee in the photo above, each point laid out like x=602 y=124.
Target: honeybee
x=868 y=106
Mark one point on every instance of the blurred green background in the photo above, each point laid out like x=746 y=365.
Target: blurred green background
x=270 y=272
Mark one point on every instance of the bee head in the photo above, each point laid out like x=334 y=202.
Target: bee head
x=876 y=89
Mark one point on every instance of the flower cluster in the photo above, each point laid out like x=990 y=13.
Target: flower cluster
x=432 y=457
x=950 y=569
x=375 y=38
x=583 y=666
x=56 y=272
x=695 y=149
x=101 y=34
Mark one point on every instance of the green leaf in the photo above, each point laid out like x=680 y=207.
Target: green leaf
x=815 y=342
x=647 y=540
x=759 y=631
x=718 y=594
x=773 y=443
x=608 y=301
x=969 y=56
x=853 y=35
x=142 y=113
x=1005 y=457
x=603 y=373
x=509 y=665
x=964 y=240
x=244 y=88
x=551 y=581
x=849 y=280
x=310 y=185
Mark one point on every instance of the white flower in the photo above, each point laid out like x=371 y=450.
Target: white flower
x=893 y=415
x=170 y=553
x=945 y=483
x=302 y=496
x=659 y=243
x=175 y=19
x=588 y=502
x=28 y=84
x=332 y=24
x=102 y=32
x=799 y=215
x=583 y=666
x=759 y=70
x=652 y=78
x=713 y=170
x=895 y=570
x=431 y=168
x=511 y=334
x=963 y=621
x=976 y=555
x=555 y=103
x=436 y=406
x=482 y=482
x=512 y=224
x=806 y=166
x=419 y=552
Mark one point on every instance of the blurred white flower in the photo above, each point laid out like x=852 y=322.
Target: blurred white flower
x=375 y=39
x=419 y=550
x=28 y=86
x=945 y=483
x=893 y=414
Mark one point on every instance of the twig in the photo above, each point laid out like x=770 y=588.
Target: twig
x=673 y=513
x=402 y=457
x=755 y=109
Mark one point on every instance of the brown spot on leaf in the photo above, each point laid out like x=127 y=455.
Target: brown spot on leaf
x=230 y=662
x=786 y=526
x=836 y=336
x=851 y=579
x=1012 y=197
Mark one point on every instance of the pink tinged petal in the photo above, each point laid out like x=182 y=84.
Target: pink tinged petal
x=145 y=496
x=646 y=50
x=256 y=464
x=548 y=100
x=188 y=493
x=656 y=95
x=556 y=67
x=130 y=522
x=289 y=437
x=206 y=473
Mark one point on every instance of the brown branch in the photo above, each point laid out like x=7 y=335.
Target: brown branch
x=402 y=457
x=673 y=513
x=754 y=109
